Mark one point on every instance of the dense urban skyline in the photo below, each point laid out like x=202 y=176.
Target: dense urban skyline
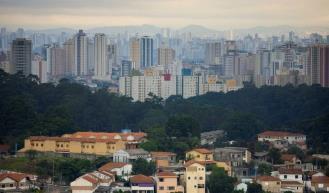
x=219 y=15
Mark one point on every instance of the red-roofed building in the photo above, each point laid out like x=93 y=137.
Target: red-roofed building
x=16 y=181
x=269 y=183
x=320 y=184
x=163 y=159
x=200 y=154
x=291 y=174
x=142 y=184
x=89 y=182
x=120 y=169
x=167 y=182
x=282 y=139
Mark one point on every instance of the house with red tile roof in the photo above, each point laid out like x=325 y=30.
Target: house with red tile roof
x=200 y=154
x=163 y=159
x=282 y=139
x=118 y=168
x=320 y=184
x=167 y=182
x=90 y=182
x=141 y=184
x=269 y=183
x=291 y=174
x=16 y=181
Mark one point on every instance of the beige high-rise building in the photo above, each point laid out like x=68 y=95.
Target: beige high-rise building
x=135 y=53
x=100 y=49
x=318 y=65
x=195 y=177
x=57 y=61
x=69 y=56
x=213 y=53
x=166 y=56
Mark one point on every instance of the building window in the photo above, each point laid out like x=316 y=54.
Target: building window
x=161 y=188
x=161 y=179
x=278 y=183
x=57 y=145
x=285 y=176
x=11 y=185
x=171 y=188
x=201 y=178
x=296 y=176
x=92 y=147
x=36 y=144
x=62 y=145
x=3 y=185
x=67 y=145
x=188 y=178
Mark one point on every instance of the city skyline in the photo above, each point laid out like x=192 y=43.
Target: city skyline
x=218 y=15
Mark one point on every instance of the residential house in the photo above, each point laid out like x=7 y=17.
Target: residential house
x=236 y=155
x=167 y=182
x=226 y=166
x=282 y=139
x=120 y=169
x=200 y=154
x=210 y=137
x=261 y=156
x=90 y=182
x=291 y=174
x=163 y=159
x=290 y=160
x=320 y=184
x=195 y=177
x=142 y=184
x=84 y=143
x=16 y=181
x=269 y=183
x=130 y=155
x=293 y=186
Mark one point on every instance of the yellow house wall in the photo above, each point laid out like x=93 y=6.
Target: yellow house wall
x=199 y=156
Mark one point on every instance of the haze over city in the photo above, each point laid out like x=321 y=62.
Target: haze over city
x=215 y=14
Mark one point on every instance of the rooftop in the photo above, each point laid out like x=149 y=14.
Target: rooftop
x=290 y=171
x=202 y=150
x=278 y=134
x=141 y=179
x=267 y=178
x=111 y=165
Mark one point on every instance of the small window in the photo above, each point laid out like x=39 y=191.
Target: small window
x=11 y=185
x=92 y=147
x=57 y=145
x=171 y=188
x=37 y=144
x=161 y=188
x=296 y=176
x=201 y=178
x=67 y=145
x=3 y=185
x=41 y=145
x=62 y=145
x=188 y=178
x=285 y=176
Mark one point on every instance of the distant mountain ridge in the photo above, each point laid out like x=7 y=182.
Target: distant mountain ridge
x=194 y=29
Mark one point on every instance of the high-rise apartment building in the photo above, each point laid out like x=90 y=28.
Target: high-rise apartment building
x=213 y=53
x=56 y=59
x=81 y=54
x=135 y=53
x=126 y=66
x=69 y=57
x=100 y=55
x=318 y=64
x=166 y=56
x=21 y=49
x=146 y=52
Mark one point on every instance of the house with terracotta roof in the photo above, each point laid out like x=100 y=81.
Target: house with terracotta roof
x=120 y=169
x=282 y=139
x=269 y=183
x=16 y=181
x=195 y=176
x=90 y=182
x=290 y=159
x=142 y=184
x=167 y=182
x=163 y=159
x=320 y=184
x=293 y=186
x=291 y=174
x=200 y=154
x=84 y=143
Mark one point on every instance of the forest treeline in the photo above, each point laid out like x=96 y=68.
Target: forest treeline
x=30 y=108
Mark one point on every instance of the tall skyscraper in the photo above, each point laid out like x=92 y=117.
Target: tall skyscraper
x=69 y=56
x=166 y=56
x=57 y=61
x=318 y=64
x=213 y=53
x=100 y=50
x=81 y=54
x=21 y=56
x=4 y=39
x=146 y=52
x=135 y=52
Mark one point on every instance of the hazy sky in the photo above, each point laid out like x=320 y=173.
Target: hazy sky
x=217 y=14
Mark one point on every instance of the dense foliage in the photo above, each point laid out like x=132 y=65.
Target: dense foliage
x=30 y=108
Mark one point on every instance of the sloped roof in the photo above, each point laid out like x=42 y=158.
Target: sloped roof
x=162 y=154
x=140 y=179
x=111 y=165
x=17 y=177
x=278 y=134
x=167 y=174
x=267 y=178
x=288 y=157
x=290 y=171
x=320 y=179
